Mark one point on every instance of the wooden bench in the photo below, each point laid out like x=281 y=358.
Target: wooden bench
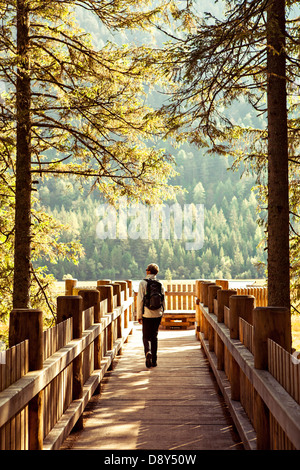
x=178 y=319
x=179 y=312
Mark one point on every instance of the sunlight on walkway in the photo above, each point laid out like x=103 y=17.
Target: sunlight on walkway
x=175 y=406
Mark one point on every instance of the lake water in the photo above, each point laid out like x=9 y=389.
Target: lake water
x=233 y=283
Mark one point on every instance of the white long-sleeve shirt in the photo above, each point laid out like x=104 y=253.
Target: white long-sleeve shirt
x=140 y=301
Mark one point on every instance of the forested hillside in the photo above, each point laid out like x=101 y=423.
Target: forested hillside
x=231 y=233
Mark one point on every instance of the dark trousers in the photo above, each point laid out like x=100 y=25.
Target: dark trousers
x=150 y=331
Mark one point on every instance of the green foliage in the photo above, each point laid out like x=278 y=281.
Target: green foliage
x=89 y=119
x=86 y=118
x=46 y=246
x=219 y=102
x=231 y=234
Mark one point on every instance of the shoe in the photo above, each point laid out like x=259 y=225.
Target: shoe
x=154 y=364
x=148 y=359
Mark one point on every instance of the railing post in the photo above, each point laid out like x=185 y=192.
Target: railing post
x=223 y=297
x=118 y=323
x=220 y=353
x=107 y=293
x=208 y=334
x=124 y=286
x=28 y=324
x=103 y=282
x=273 y=323
x=224 y=283
x=201 y=316
x=117 y=292
x=201 y=290
x=240 y=306
x=223 y=301
x=211 y=337
x=234 y=379
x=72 y=306
x=69 y=286
x=205 y=286
x=212 y=295
x=212 y=290
x=129 y=283
x=197 y=307
x=91 y=298
x=261 y=422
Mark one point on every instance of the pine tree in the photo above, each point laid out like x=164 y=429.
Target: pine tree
x=77 y=110
x=199 y=194
x=250 y=54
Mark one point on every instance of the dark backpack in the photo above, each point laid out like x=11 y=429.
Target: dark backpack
x=154 y=297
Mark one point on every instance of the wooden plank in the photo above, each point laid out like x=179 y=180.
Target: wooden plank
x=184 y=298
x=7 y=384
x=279 y=402
x=15 y=398
x=123 y=417
x=176 y=324
x=58 y=434
x=180 y=294
x=75 y=408
x=178 y=312
x=190 y=297
x=12 y=369
x=285 y=368
x=227 y=316
x=246 y=334
x=178 y=317
x=174 y=300
x=179 y=298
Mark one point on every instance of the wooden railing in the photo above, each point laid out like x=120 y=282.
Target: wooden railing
x=48 y=377
x=179 y=304
x=180 y=295
x=247 y=344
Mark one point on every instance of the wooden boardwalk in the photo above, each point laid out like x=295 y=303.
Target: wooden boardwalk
x=175 y=406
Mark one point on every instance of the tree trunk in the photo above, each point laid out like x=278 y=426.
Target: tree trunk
x=278 y=184
x=22 y=276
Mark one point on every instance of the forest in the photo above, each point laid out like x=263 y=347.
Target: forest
x=141 y=131
x=162 y=103
x=232 y=247
x=234 y=244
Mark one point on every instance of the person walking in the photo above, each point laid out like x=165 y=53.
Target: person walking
x=150 y=306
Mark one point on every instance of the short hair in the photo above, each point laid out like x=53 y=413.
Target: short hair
x=153 y=268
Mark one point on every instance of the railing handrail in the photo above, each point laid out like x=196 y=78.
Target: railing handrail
x=219 y=326
x=219 y=338
x=115 y=325
x=11 y=400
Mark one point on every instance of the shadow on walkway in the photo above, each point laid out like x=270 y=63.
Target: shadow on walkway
x=175 y=406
